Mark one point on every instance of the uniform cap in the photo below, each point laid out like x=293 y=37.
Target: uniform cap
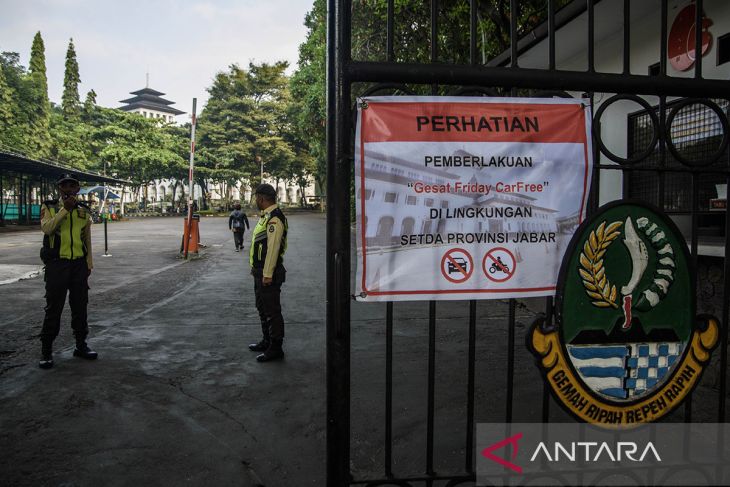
x=67 y=177
x=266 y=190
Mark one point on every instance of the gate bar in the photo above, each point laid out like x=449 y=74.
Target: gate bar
x=725 y=321
x=663 y=40
x=698 y=39
x=473 y=32
x=510 y=358
x=338 y=244
x=591 y=38
x=627 y=38
x=389 y=52
x=551 y=35
x=549 y=310
x=454 y=74
x=431 y=388
x=470 y=387
x=662 y=147
x=694 y=257
x=513 y=33
x=389 y=389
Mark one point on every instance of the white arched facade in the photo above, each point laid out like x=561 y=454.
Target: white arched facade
x=159 y=194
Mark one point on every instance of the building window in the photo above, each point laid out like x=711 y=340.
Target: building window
x=391 y=197
x=654 y=69
x=411 y=200
x=385 y=230
x=429 y=202
x=723 y=49
x=368 y=194
x=444 y=204
x=407 y=226
x=696 y=132
x=144 y=114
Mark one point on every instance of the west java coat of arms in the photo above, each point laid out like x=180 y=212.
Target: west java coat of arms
x=624 y=346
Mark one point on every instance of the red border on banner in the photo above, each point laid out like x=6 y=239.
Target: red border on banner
x=385 y=122
x=363 y=114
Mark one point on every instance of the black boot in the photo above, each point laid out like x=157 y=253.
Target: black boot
x=83 y=351
x=46 y=361
x=261 y=346
x=274 y=352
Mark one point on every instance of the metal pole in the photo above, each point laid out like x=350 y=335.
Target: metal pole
x=2 y=201
x=106 y=239
x=190 y=177
x=338 y=244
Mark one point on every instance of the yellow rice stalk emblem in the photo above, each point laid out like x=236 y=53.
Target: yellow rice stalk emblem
x=596 y=283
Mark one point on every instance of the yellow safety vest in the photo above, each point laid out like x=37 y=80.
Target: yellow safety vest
x=260 y=240
x=70 y=231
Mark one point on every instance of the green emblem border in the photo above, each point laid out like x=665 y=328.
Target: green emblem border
x=565 y=384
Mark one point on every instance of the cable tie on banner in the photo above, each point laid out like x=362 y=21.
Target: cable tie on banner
x=363 y=104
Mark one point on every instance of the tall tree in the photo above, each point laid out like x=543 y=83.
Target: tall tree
x=8 y=132
x=412 y=43
x=89 y=107
x=241 y=126
x=15 y=78
x=71 y=140
x=71 y=79
x=309 y=106
x=37 y=141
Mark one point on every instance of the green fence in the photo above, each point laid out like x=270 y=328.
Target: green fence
x=10 y=212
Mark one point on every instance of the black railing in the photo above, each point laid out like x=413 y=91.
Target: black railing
x=648 y=157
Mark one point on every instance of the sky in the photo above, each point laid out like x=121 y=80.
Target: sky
x=182 y=44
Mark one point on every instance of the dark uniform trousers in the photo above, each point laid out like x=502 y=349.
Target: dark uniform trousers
x=238 y=238
x=268 y=303
x=64 y=275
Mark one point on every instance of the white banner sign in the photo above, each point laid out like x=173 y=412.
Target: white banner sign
x=467 y=198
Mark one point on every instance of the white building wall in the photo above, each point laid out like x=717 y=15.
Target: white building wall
x=147 y=113
x=571 y=54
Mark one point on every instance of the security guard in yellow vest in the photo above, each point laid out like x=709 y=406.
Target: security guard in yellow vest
x=67 y=255
x=266 y=256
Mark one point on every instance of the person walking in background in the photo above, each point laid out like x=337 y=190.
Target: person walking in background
x=238 y=223
x=66 y=252
x=266 y=256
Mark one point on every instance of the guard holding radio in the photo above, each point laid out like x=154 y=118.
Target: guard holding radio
x=66 y=252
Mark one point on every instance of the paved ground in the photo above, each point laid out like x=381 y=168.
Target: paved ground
x=176 y=398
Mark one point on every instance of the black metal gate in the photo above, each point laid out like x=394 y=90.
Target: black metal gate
x=662 y=167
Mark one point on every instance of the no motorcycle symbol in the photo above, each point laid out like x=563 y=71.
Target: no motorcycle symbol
x=457 y=265
x=499 y=264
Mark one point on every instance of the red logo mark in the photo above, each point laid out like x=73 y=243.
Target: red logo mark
x=681 y=42
x=512 y=440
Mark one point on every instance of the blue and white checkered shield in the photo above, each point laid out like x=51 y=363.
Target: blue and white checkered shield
x=624 y=371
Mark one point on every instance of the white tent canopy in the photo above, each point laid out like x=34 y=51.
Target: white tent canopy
x=104 y=192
